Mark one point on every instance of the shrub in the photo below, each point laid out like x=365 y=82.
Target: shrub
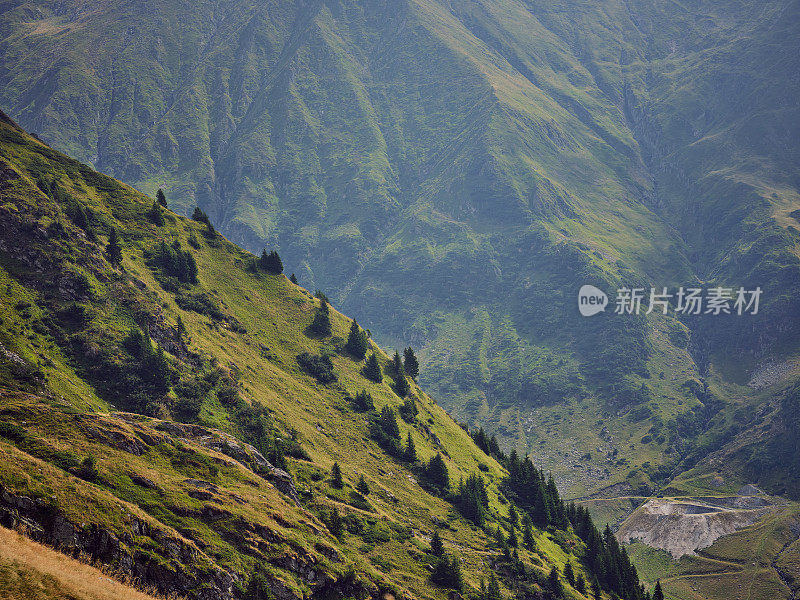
x=409 y=411
x=320 y=366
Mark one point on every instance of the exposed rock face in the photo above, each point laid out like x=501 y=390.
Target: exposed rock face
x=682 y=527
x=175 y=571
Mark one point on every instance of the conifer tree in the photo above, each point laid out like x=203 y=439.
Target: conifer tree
x=401 y=386
x=411 y=449
x=293 y=279
x=362 y=486
x=396 y=365
x=554 y=583
x=437 y=473
x=447 y=573
x=363 y=401
x=499 y=537
x=513 y=516
x=161 y=198
x=389 y=423
x=437 y=546
x=658 y=593
x=408 y=410
x=159 y=369
x=372 y=370
x=527 y=534
x=513 y=542
x=271 y=263
x=410 y=363
x=155 y=214
x=336 y=476
x=569 y=574
x=357 y=341
x=114 y=248
x=493 y=591
x=473 y=501
x=334 y=523
x=321 y=325
x=580 y=585
x=596 y=589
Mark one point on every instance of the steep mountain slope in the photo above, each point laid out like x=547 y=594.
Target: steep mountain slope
x=30 y=571
x=452 y=172
x=153 y=379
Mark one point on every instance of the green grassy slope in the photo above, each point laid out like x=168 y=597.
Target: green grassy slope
x=188 y=508
x=451 y=173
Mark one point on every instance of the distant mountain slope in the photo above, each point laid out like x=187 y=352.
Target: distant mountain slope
x=452 y=172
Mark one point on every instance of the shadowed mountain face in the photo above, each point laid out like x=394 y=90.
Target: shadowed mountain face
x=455 y=171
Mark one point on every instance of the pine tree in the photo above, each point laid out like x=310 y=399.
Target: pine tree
x=293 y=279
x=493 y=591
x=401 y=386
x=437 y=546
x=513 y=542
x=527 y=534
x=200 y=216
x=411 y=449
x=159 y=369
x=437 y=474
x=554 y=583
x=271 y=263
x=569 y=574
x=580 y=585
x=372 y=370
x=357 y=341
x=396 y=365
x=447 y=573
x=334 y=523
x=161 y=198
x=336 y=476
x=658 y=593
x=321 y=325
x=410 y=363
x=499 y=537
x=363 y=401
x=596 y=589
x=362 y=486
x=155 y=214
x=409 y=411
x=513 y=516
x=114 y=248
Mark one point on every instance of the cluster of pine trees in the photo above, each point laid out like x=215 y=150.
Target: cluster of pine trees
x=270 y=262
x=171 y=261
x=538 y=496
x=146 y=374
x=200 y=216
x=605 y=557
x=385 y=430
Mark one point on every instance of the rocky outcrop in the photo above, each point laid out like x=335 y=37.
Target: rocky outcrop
x=178 y=568
x=236 y=449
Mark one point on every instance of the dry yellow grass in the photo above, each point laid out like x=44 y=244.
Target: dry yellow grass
x=31 y=571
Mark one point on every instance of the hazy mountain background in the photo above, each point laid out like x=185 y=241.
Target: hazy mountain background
x=450 y=173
